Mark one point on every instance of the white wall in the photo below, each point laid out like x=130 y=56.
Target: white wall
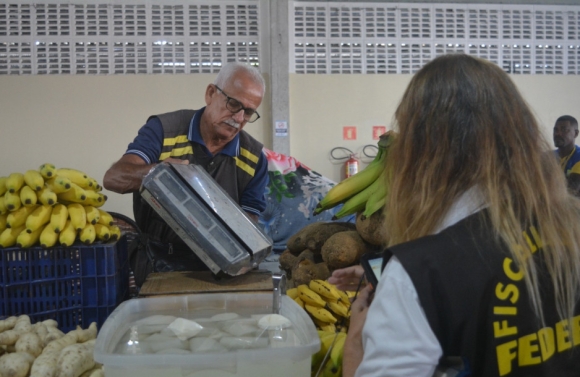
x=322 y=104
x=86 y=122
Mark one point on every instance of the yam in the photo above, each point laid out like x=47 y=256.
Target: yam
x=288 y=260
x=314 y=235
x=307 y=270
x=372 y=228
x=29 y=343
x=343 y=249
x=15 y=364
x=76 y=359
x=8 y=323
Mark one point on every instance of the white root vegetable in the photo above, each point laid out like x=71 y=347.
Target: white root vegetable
x=15 y=364
x=21 y=325
x=45 y=365
x=53 y=333
x=76 y=359
x=50 y=323
x=29 y=343
x=40 y=329
x=8 y=323
x=88 y=334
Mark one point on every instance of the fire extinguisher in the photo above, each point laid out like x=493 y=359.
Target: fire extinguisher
x=351 y=166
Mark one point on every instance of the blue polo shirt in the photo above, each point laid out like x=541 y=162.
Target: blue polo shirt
x=149 y=142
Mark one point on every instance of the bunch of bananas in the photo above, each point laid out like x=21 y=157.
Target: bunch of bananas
x=329 y=309
x=53 y=206
x=363 y=192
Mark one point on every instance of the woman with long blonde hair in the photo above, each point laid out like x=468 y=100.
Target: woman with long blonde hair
x=484 y=239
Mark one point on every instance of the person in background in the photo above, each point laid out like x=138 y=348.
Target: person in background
x=483 y=239
x=212 y=137
x=565 y=133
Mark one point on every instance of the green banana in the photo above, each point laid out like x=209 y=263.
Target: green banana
x=358 y=202
x=334 y=365
x=377 y=199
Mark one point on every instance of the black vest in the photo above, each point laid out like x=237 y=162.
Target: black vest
x=232 y=173
x=477 y=304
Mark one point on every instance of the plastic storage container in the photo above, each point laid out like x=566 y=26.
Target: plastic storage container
x=74 y=285
x=289 y=360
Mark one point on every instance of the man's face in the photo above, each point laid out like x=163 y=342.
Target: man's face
x=223 y=123
x=564 y=134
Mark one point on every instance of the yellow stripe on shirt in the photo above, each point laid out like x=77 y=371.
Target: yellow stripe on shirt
x=175 y=140
x=245 y=167
x=249 y=155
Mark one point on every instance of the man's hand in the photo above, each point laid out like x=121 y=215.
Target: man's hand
x=126 y=175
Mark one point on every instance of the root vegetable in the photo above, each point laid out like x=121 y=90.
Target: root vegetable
x=23 y=324
x=15 y=364
x=87 y=334
x=8 y=323
x=69 y=338
x=9 y=337
x=45 y=364
x=29 y=343
x=372 y=229
x=314 y=235
x=76 y=359
x=307 y=270
x=343 y=249
x=288 y=261
x=95 y=372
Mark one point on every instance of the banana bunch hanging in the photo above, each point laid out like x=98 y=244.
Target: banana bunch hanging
x=51 y=206
x=363 y=192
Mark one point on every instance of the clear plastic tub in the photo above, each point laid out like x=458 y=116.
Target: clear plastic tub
x=282 y=352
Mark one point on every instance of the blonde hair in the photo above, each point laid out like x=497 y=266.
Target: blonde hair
x=462 y=123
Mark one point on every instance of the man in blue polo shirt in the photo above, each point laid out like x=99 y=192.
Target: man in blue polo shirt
x=565 y=133
x=212 y=137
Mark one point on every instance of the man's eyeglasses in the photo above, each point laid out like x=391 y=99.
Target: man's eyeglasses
x=234 y=106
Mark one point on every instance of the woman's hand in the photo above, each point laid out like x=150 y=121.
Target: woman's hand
x=347 y=279
x=353 y=347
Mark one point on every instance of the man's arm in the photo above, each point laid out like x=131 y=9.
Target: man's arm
x=126 y=175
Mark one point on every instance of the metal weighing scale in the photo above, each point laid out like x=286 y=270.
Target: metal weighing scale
x=205 y=217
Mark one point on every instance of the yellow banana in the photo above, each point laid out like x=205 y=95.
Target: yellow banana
x=3 y=219
x=106 y=219
x=47 y=170
x=12 y=201
x=310 y=297
x=3 y=209
x=299 y=302
x=102 y=231
x=95 y=199
x=115 y=232
x=9 y=235
x=292 y=293
x=28 y=196
x=67 y=235
x=95 y=185
x=77 y=215
x=87 y=235
x=48 y=237
x=344 y=298
x=3 y=188
x=39 y=217
x=326 y=340
x=76 y=176
x=34 y=180
x=338 y=308
x=351 y=294
x=334 y=365
x=323 y=325
x=320 y=313
x=58 y=185
x=352 y=185
x=76 y=194
x=26 y=239
x=93 y=214
x=46 y=196
x=18 y=218
x=58 y=217
x=14 y=182
x=328 y=291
